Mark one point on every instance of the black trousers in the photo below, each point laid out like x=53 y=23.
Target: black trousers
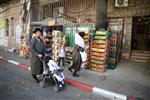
x=35 y=78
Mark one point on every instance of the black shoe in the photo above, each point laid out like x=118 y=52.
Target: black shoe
x=75 y=75
x=70 y=70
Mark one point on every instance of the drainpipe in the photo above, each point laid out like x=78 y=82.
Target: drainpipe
x=101 y=14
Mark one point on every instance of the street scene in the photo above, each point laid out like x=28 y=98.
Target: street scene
x=17 y=84
x=74 y=50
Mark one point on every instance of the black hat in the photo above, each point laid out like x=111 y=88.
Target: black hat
x=37 y=30
x=82 y=34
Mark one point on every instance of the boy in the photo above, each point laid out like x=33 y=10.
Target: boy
x=61 y=55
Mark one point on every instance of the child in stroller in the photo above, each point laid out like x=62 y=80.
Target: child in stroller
x=54 y=72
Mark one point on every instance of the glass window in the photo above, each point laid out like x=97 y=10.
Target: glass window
x=7 y=27
x=12 y=26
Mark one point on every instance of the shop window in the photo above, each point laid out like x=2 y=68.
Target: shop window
x=12 y=26
x=7 y=27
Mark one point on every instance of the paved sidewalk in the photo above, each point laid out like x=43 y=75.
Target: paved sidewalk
x=129 y=78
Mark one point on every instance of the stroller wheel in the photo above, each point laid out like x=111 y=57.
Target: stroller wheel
x=55 y=89
x=42 y=84
x=64 y=87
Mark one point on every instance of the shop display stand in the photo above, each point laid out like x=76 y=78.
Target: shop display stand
x=56 y=44
x=115 y=50
x=87 y=41
x=99 y=51
x=68 y=57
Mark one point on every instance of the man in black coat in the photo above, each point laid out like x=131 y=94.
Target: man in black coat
x=37 y=48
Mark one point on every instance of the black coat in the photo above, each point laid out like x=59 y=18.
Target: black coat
x=77 y=57
x=37 y=47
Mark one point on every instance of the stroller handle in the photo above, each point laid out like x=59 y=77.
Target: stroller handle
x=44 y=57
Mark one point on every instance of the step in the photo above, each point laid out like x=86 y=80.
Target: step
x=140 y=60
x=141 y=54
x=136 y=51
x=141 y=57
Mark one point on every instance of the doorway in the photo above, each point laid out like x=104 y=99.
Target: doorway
x=141 y=33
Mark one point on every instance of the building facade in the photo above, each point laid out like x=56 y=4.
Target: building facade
x=17 y=15
x=63 y=11
x=131 y=17
x=136 y=23
x=13 y=22
x=9 y=18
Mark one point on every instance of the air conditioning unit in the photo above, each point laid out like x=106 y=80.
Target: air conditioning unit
x=121 y=3
x=58 y=11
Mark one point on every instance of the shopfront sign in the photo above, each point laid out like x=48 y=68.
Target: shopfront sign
x=116 y=24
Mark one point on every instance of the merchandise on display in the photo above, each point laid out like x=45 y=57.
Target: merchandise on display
x=24 y=48
x=115 y=50
x=56 y=44
x=99 y=51
x=68 y=58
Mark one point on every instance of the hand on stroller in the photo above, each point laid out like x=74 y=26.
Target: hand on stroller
x=40 y=56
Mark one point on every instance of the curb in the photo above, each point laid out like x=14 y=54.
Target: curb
x=105 y=93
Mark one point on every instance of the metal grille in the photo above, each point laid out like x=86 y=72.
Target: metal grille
x=68 y=12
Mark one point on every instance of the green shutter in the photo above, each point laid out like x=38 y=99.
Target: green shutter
x=70 y=36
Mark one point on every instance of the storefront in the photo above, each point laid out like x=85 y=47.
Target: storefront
x=135 y=15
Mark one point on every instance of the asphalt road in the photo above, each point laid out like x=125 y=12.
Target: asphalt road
x=17 y=84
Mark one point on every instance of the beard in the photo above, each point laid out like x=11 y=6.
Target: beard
x=39 y=37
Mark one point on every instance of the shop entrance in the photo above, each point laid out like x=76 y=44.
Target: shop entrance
x=141 y=33
x=140 y=44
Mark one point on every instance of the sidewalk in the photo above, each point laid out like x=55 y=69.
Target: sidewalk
x=129 y=78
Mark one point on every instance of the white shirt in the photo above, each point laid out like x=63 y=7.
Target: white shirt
x=79 y=40
x=62 y=53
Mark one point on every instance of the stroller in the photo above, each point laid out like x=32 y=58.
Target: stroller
x=54 y=72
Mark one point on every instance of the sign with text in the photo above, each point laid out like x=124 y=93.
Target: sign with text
x=116 y=24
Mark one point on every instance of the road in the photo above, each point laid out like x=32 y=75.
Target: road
x=17 y=84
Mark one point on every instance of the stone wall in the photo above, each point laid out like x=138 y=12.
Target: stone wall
x=13 y=11
x=36 y=10
x=127 y=37
x=135 y=8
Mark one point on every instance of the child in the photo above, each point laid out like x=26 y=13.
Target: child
x=61 y=55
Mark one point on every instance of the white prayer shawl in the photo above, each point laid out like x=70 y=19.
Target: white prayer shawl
x=79 y=40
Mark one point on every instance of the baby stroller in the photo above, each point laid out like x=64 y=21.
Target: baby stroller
x=54 y=72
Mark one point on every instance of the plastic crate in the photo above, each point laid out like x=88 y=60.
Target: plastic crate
x=99 y=54
x=98 y=69
x=98 y=58
x=99 y=42
x=98 y=50
x=97 y=62
x=112 y=66
x=113 y=54
x=113 y=60
x=104 y=46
